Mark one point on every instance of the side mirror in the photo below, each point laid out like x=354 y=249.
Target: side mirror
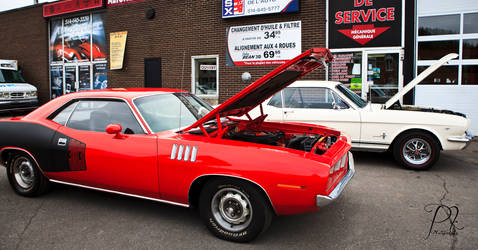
x=114 y=129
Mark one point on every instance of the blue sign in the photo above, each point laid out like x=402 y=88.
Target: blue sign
x=238 y=8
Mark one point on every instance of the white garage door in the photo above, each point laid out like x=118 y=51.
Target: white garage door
x=444 y=27
x=462 y=99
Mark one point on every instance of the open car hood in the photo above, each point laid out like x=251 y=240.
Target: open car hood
x=268 y=85
x=419 y=78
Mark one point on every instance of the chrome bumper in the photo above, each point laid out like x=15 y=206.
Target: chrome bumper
x=467 y=139
x=324 y=200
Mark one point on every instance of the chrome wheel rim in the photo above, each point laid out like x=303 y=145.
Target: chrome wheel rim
x=23 y=172
x=417 y=151
x=232 y=209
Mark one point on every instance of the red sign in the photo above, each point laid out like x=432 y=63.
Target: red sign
x=119 y=2
x=363 y=33
x=69 y=6
x=365 y=23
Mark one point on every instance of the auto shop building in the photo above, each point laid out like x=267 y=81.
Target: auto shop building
x=206 y=46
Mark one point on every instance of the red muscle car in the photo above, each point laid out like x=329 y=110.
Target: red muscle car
x=169 y=146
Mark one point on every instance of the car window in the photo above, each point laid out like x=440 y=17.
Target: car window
x=276 y=101
x=95 y=115
x=313 y=97
x=62 y=116
x=339 y=102
x=292 y=98
x=352 y=96
x=11 y=76
x=170 y=111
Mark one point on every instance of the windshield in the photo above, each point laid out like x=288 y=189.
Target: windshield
x=171 y=111
x=352 y=96
x=11 y=76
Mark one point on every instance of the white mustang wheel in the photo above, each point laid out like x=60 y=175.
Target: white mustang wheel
x=416 y=150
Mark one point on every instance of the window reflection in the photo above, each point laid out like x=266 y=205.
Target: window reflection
x=470 y=23
x=470 y=74
x=347 y=69
x=439 y=25
x=470 y=48
x=443 y=75
x=436 y=50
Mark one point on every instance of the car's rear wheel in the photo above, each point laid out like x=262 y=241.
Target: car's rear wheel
x=25 y=177
x=234 y=210
x=417 y=151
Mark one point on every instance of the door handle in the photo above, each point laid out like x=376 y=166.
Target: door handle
x=288 y=111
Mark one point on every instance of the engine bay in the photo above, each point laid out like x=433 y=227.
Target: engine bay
x=292 y=136
x=303 y=142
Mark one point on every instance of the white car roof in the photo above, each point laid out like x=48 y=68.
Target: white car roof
x=314 y=83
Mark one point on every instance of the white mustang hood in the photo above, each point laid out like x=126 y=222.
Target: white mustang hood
x=419 y=78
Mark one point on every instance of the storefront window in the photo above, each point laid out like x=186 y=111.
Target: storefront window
x=443 y=75
x=84 y=77
x=470 y=48
x=435 y=50
x=205 y=75
x=99 y=76
x=77 y=54
x=470 y=23
x=382 y=75
x=98 y=47
x=439 y=25
x=56 y=75
x=347 y=69
x=56 y=41
x=470 y=74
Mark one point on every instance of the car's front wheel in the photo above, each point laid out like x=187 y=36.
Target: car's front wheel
x=234 y=210
x=25 y=177
x=417 y=151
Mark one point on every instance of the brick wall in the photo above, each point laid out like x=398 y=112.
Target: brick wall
x=185 y=28
x=24 y=37
x=181 y=29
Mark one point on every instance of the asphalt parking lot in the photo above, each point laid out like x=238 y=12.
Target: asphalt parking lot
x=384 y=207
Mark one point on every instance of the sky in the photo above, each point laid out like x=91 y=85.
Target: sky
x=13 y=4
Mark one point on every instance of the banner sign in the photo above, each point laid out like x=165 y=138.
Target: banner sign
x=263 y=44
x=76 y=38
x=117 y=47
x=120 y=2
x=364 y=23
x=69 y=6
x=238 y=8
x=80 y=38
